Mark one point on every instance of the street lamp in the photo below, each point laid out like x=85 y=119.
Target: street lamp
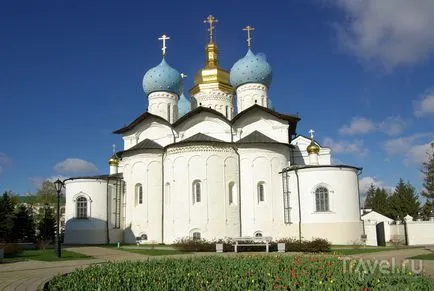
x=58 y=185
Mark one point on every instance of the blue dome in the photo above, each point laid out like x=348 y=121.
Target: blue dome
x=162 y=78
x=184 y=106
x=251 y=69
x=270 y=104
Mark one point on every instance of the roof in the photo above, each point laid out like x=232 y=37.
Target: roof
x=300 y=167
x=256 y=137
x=145 y=144
x=102 y=177
x=139 y=119
x=201 y=137
x=308 y=138
x=196 y=111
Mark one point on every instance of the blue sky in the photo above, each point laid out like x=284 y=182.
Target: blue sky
x=358 y=72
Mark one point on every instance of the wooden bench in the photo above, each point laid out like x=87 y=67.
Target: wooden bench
x=252 y=241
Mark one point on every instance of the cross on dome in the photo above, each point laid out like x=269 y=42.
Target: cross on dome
x=183 y=76
x=114 y=148
x=311 y=131
x=248 y=28
x=163 y=38
x=210 y=20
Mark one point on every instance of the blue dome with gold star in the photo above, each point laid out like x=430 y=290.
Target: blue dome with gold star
x=162 y=78
x=251 y=69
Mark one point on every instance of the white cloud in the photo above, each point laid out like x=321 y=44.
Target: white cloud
x=412 y=148
x=389 y=32
x=358 y=125
x=392 y=125
x=345 y=147
x=424 y=106
x=4 y=161
x=75 y=166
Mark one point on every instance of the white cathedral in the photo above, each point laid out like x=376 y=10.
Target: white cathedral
x=223 y=165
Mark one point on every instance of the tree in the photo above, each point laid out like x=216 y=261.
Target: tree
x=47 y=225
x=426 y=209
x=377 y=199
x=24 y=225
x=6 y=217
x=428 y=171
x=403 y=201
x=47 y=193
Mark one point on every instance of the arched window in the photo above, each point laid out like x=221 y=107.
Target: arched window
x=139 y=194
x=82 y=208
x=261 y=192
x=258 y=234
x=232 y=193
x=322 y=199
x=197 y=191
x=196 y=235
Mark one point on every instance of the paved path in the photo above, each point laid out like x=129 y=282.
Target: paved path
x=32 y=275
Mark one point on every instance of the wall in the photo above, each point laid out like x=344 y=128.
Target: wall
x=420 y=233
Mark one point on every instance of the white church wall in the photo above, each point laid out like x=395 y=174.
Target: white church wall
x=93 y=229
x=155 y=131
x=143 y=216
x=341 y=224
x=205 y=123
x=300 y=155
x=251 y=94
x=261 y=165
x=164 y=104
x=214 y=167
x=263 y=122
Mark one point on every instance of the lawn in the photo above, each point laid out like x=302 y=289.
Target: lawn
x=347 y=251
x=423 y=257
x=44 y=255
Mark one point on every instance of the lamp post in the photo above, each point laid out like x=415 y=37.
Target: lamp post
x=58 y=185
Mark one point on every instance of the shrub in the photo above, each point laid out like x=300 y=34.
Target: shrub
x=11 y=249
x=315 y=246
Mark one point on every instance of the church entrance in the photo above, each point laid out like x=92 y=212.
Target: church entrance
x=381 y=237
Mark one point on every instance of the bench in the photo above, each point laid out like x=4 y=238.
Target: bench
x=252 y=241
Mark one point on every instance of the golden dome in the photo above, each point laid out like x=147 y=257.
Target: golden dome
x=313 y=148
x=114 y=160
x=211 y=77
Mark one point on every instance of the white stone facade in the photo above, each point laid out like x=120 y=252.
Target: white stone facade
x=251 y=94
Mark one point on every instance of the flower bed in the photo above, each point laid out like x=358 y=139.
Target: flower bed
x=237 y=273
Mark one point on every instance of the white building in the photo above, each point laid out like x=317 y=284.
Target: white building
x=224 y=164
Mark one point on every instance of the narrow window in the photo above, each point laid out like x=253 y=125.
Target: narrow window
x=167 y=199
x=139 y=194
x=227 y=110
x=261 y=192
x=231 y=193
x=168 y=112
x=322 y=199
x=196 y=192
x=196 y=235
x=81 y=208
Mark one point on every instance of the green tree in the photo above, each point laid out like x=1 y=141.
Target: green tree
x=46 y=193
x=47 y=225
x=377 y=199
x=428 y=171
x=24 y=224
x=403 y=201
x=426 y=209
x=6 y=217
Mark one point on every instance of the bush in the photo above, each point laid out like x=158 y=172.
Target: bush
x=315 y=246
x=11 y=249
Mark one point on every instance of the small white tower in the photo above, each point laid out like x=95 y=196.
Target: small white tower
x=313 y=150
x=163 y=86
x=251 y=77
x=114 y=162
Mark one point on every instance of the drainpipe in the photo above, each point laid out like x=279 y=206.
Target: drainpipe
x=299 y=205
x=162 y=195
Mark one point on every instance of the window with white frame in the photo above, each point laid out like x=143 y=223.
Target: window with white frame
x=196 y=235
x=197 y=191
x=139 y=194
x=261 y=192
x=322 y=199
x=81 y=207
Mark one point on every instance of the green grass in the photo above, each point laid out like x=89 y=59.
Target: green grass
x=153 y=252
x=363 y=250
x=423 y=257
x=44 y=255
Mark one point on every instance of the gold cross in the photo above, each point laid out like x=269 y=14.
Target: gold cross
x=164 y=38
x=248 y=28
x=210 y=20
